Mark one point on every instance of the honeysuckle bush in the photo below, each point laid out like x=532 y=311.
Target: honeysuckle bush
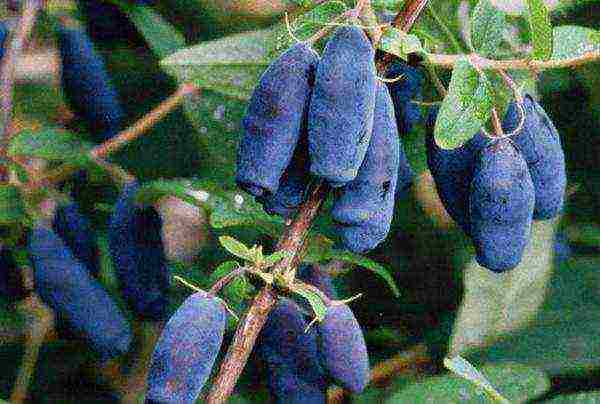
x=520 y=329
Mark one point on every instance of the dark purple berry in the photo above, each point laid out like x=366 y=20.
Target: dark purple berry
x=404 y=91
x=374 y=188
x=290 y=355
x=340 y=118
x=78 y=235
x=539 y=143
x=136 y=248
x=87 y=86
x=3 y=38
x=186 y=351
x=343 y=349
x=275 y=120
x=64 y=284
x=501 y=206
x=452 y=172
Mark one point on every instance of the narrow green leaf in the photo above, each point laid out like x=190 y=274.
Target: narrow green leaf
x=571 y=41
x=591 y=397
x=466 y=107
x=225 y=268
x=275 y=257
x=236 y=248
x=162 y=37
x=51 y=144
x=463 y=368
x=315 y=301
x=400 y=44
x=229 y=65
x=364 y=262
x=12 y=210
x=487 y=27
x=152 y=191
x=541 y=29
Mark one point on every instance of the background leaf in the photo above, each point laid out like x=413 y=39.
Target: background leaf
x=487 y=27
x=400 y=44
x=592 y=397
x=571 y=41
x=514 y=381
x=466 y=107
x=541 y=29
x=50 y=144
x=12 y=210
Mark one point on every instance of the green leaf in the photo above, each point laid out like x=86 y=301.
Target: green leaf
x=466 y=107
x=238 y=290
x=463 y=368
x=275 y=257
x=236 y=248
x=315 y=301
x=364 y=262
x=495 y=304
x=225 y=268
x=387 y=5
x=541 y=29
x=487 y=27
x=400 y=44
x=12 y=210
x=591 y=397
x=51 y=144
x=229 y=65
x=162 y=37
x=304 y=26
x=571 y=41
x=514 y=381
x=151 y=192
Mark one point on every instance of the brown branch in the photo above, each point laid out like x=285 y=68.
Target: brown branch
x=448 y=62
x=293 y=241
x=7 y=72
x=124 y=137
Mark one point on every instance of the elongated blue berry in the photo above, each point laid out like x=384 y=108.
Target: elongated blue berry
x=292 y=186
x=343 y=349
x=374 y=188
x=539 y=143
x=106 y=22
x=78 y=235
x=186 y=351
x=11 y=283
x=64 y=284
x=291 y=358
x=340 y=118
x=135 y=244
x=501 y=206
x=405 y=91
x=452 y=172
x=275 y=120
x=87 y=86
x=3 y=38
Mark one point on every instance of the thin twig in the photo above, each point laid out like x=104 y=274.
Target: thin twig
x=124 y=137
x=7 y=72
x=448 y=62
x=292 y=241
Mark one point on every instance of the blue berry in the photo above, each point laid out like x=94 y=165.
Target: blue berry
x=340 y=118
x=3 y=38
x=291 y=357
x=539 y=143
x=452 y=172
x=407 y=89
x=186 y=351
x=275 y=120
x=501 y=206
x=78 y=235
x=343 y=349
x=64 y=284
x=137 y=251
x=87 y=86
